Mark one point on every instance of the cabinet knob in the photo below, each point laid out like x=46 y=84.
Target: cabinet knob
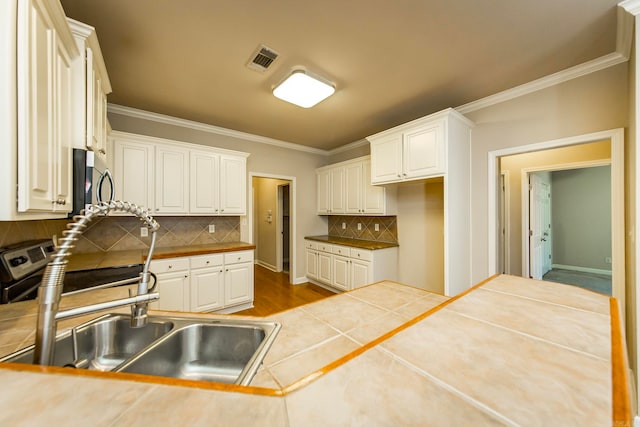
x=208 y=262
x=404 y=174
x=398 y=175
x=60 y=201
x=170 y=267
x=221 y=210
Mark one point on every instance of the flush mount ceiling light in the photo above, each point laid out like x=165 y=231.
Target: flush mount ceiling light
x=303 y=89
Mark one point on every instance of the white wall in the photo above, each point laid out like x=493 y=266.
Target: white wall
x=591 y=103
x=264 y=159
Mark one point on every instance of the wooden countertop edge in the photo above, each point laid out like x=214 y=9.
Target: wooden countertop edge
x=199 y=251
x=620 y=381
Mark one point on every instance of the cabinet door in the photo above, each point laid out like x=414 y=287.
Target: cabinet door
x=324 y=188
x=324 y=268
x=423 y=151
x=172 y=180
x=63 y=116
x=133 y=165
x=360 y=273
x=353 y=188
x=233 y=185
x=36 y=96
x=205 y=183
x=312 y=264
x=238 y=282
x=373 y=196
x=207 y=289
x=341 y=272
x=386 y=159
x=337 y=193
x=174 y=291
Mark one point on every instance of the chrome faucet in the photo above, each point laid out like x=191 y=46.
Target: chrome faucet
x=50 y=290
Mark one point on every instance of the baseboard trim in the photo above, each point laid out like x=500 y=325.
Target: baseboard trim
x=582 y=269
x=267 y=266
x=300 y=280
x=324 y=285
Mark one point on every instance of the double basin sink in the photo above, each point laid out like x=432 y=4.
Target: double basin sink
x=228 y=351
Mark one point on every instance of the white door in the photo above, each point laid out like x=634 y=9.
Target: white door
x=207 y=289
x=373 y=196
x=172 y=180
x=233 y=185
x=324 y=267
x=238 y=280
x=341 y=272
x=539 y=226
x=423 y=153
x=353 y=188
x=312 y=264
x=205 y=183
x=174 y=291
x=337 y=193
x=386 y=159
x=360 y=275
x=323 y=202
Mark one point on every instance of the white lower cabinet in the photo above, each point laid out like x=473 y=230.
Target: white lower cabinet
x=345 y=268
x=213 y=282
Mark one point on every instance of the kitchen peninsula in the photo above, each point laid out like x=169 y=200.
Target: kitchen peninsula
x=510 y=351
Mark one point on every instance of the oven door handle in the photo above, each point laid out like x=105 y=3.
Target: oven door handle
x=108 y=175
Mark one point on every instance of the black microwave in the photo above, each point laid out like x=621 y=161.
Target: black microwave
x=92 y=181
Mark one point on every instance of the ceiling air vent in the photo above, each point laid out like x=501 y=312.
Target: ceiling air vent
x=262 y=58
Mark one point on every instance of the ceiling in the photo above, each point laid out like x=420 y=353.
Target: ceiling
x=391 y=61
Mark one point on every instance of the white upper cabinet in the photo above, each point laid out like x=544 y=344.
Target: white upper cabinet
x=204 y=169
x=134 y=171
x=418 y=149
x=91 y=86
x=345 y=189
x=174 y=178
x=233 y=185
x=36 y=54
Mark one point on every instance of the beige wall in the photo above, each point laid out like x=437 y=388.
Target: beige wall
x=264 y=159
x=591 y=103
x=265 y=196
x=421 y=235
x=514 y=165
x=581 y=217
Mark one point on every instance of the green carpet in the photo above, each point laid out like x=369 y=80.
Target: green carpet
x=596 y=282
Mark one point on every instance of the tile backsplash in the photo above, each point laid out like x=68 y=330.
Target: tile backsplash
x=123 y=233
x=387 y=228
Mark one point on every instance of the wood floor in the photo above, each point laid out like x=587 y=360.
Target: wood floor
x=273 y=293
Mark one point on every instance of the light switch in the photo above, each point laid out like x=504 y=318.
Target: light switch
x=376 y=227
x=359 y=226
x=344 y=225
x=212 y=228
x=144 y=232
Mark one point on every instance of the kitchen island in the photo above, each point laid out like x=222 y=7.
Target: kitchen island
x=510 y=351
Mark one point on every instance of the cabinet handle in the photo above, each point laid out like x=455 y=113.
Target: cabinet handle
x=404 y=174
x=221 y=210
x=170 y=267
x=207 y=262
x=185 y=276
x=398 y=175
x=227 y=269
x=60 y=201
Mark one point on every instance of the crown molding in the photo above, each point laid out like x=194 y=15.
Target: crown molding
x=349 y=146
x=580 y=70
x=175 y=121
x=631 y=6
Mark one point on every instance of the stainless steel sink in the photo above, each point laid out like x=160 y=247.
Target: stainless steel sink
x=228 y=351
x=220 y=352
x=101 y=344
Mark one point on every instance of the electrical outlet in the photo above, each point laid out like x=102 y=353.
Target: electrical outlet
x=212 y=228
x=344 y=225
x=359 y=226
x=376 y=227
x=144 y=232
x=607 y=260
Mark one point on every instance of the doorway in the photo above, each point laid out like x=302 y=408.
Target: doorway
x=520 y=261
x=272 y=222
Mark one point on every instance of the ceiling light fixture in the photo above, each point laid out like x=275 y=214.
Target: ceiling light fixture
x=303 y=89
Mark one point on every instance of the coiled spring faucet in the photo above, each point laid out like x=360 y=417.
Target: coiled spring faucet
x=50 y=291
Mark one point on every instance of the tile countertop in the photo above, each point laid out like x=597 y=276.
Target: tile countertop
x=356 y=243
x=116 y=258
x=510 y=351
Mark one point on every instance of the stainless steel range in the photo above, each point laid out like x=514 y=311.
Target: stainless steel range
x=22 y=266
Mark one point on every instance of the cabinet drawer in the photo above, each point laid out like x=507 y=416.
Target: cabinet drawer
x=341 y=250
x=169 y=265
x=325 y=247
x=309 y=244
x=238 y=257
x=206 y=260
x=362 y=254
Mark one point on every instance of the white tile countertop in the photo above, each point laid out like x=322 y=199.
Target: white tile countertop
x=511 y=351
